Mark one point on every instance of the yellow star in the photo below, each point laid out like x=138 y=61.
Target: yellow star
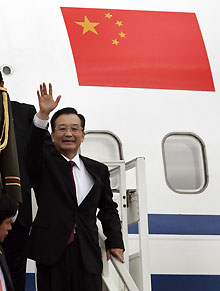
x=115 y=41
x=87 y=25
x=122 y=34
x=108 y=15
x=119 y=23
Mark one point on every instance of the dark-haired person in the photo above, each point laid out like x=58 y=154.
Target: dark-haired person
x=8 y=209
x=15 y=245
x=64 y=237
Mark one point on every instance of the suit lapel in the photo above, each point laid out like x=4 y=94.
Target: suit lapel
x=98 y=184
x=89 y=164
x=63 y=169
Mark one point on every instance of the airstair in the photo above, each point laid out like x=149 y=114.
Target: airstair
x=134 y=274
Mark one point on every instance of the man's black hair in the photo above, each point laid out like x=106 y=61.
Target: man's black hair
x=8 y=207
x=1 y=79
x=66 y=110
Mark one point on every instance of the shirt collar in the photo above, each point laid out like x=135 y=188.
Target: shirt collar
x=76 y=160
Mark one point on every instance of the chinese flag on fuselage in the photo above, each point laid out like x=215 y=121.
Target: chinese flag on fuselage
x=138 y=49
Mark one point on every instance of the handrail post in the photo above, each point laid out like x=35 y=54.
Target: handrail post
x=143 y=223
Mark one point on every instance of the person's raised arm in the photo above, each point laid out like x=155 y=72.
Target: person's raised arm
x=46 y=101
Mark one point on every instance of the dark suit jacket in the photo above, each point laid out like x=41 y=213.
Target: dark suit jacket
x=58 y=211
x=5 y=271
x=23 y=116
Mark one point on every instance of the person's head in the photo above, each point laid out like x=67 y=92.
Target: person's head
x=1 y=80
x=67 y=131
x=8 y=209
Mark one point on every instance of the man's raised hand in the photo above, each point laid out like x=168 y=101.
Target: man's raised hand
x=46 y=101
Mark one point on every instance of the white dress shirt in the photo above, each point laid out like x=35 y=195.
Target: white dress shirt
x=2 y=280
x=83 y=180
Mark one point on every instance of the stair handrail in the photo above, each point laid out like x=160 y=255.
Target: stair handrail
x=121 y=269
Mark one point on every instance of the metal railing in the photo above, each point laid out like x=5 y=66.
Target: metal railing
x=118 y=169
x=120 y=268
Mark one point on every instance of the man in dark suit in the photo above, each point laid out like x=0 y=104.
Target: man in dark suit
x=15 y=245
x=64 y=237
x=8 y=208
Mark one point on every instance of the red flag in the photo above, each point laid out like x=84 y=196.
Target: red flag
x=138 y=49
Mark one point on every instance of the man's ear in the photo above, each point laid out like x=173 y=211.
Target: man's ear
x=83 y=135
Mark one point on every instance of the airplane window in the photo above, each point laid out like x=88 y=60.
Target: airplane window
x=103 y=146
x=185 y=163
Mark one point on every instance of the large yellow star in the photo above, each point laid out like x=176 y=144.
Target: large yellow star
x=87 y=25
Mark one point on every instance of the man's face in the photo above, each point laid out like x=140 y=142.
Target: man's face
x=5 y=226
x=68 y=134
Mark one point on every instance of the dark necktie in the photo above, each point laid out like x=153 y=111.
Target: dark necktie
x=71 y=238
